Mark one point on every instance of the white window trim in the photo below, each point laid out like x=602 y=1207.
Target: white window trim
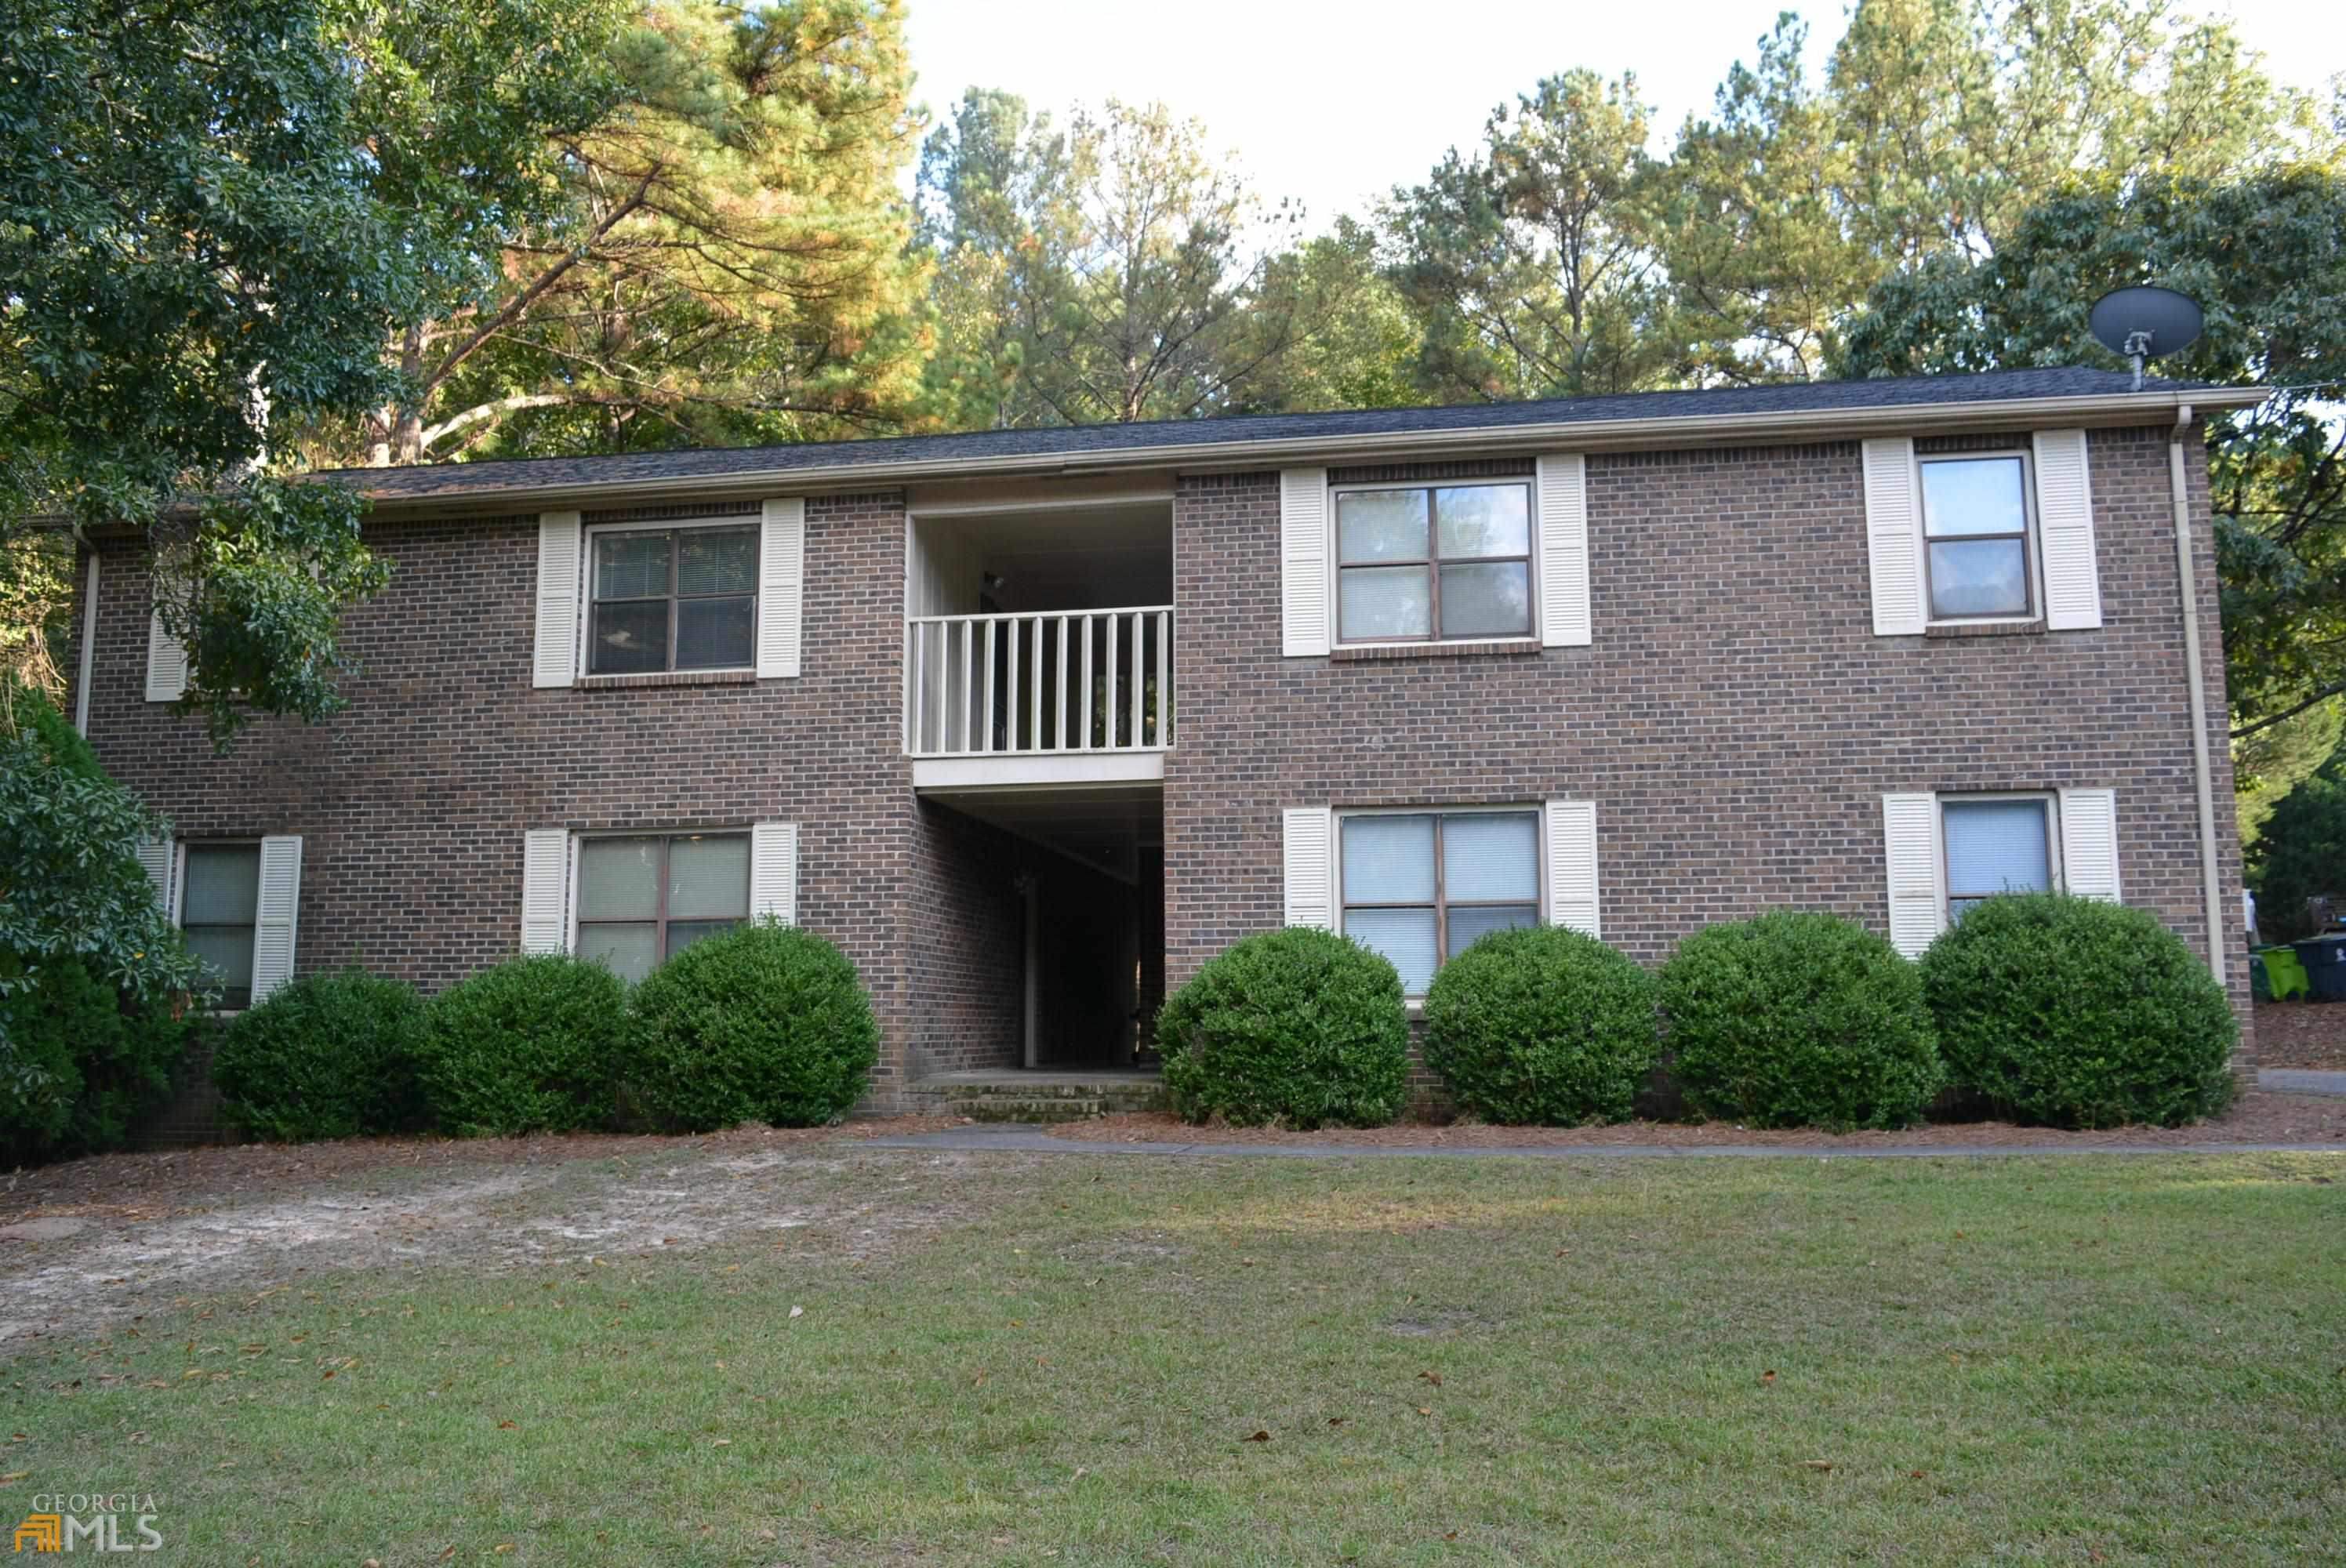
x=2032 y=539
x=1536 y=810
x=1335 y=566
x=2049 y=799
x=747 y=521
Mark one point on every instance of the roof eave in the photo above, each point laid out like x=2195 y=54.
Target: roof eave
x=2100 y=409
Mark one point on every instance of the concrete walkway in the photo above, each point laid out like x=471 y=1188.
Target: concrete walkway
x=1016 y=1138
x=2300 y=1080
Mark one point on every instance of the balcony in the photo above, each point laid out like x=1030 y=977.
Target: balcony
x=1039 y=697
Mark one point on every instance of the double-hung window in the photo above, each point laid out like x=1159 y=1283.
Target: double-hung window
x=1997 y=844
x=1975 y=537
x=1418 y=887
x=1433 y=563
x=672 y=599
x=219 y=911
x=645 y=898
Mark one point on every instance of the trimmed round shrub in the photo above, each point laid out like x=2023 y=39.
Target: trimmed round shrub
x=1542 y=1025
x=1299 y=1026
x=532 y=1045
x=765 y=1022
x=99 y=1062
x=327 y=1056
x=2080 y=1014
x=1799 y=1020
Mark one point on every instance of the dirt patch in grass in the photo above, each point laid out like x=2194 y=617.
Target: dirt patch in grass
x=152 y=1185
x=2302 y=1034
x=2255 y=1117
x=103 y=1239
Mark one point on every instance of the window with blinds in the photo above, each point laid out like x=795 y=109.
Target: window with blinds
x=1418 y=887
x=644 y=899
x=219 y=910
x=1995 y=846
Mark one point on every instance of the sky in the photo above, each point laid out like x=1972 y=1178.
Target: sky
x=1334 y=101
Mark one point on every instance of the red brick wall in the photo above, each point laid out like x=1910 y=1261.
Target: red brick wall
x=411 y=804
x=1735 y=719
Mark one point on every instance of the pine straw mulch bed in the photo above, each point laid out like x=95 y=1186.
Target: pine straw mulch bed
x=2302 y=1034
x=149 y=1185
x=2255 y=1117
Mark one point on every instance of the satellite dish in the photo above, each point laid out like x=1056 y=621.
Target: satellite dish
x=2143 y=322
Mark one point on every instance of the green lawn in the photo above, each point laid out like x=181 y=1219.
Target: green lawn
x=2119 y=1359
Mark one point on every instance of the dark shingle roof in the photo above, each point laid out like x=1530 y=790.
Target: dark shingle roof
x=473 y=481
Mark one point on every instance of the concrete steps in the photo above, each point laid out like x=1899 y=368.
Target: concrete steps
x=1014 y=1096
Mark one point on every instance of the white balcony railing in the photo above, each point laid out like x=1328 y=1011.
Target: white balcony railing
x=1052 y=681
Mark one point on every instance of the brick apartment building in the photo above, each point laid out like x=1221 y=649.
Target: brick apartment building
x=1032 y=723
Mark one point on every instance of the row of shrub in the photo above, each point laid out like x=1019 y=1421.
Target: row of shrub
x=2062 y=1010
x=88 y=1062
x=96 y=1004
x=763 y=1023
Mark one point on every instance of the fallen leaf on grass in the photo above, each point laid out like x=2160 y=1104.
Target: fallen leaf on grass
x=1260 y=1437
x=1767 y=1376
x=1434 y=1378
x=1817 y=1463
x=1424 y=1410
x=508 y=1426
x=1335 y=1420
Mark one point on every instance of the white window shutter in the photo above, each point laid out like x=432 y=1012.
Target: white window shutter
x=1303 y=616
x=546 y=890
x=1564 y=549
x=1309 y=855
x=1893 y=537
x=560 y=568
x=2065 y=528
x=781 y=587
x=1910 y=840
x=167 y=662
x=2089 y=843
x=276 y=914
x=774 y=871
x=160 y=858
x=1571 y=865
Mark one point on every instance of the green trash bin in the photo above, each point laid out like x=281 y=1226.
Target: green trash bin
x=2283 y=973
